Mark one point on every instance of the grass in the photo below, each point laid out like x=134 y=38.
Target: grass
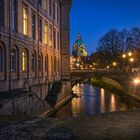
x=100 y=83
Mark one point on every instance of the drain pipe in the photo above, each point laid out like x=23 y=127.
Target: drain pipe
x=9 y=45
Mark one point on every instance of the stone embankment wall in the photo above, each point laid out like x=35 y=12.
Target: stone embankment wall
x=32 y=103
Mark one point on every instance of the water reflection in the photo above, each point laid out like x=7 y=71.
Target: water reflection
x=113 y=103
x=102 y=101
x=94 y=100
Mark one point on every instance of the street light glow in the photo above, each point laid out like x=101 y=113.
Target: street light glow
x=124 y=56
x=78 y=64
x=129 y=54
x=131 y=60
x=114 y=63
x=136 y=81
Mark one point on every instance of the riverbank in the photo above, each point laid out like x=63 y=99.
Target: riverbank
x=109 y=126
x=120 y=91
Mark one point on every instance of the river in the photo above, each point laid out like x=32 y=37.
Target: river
x=93 y=100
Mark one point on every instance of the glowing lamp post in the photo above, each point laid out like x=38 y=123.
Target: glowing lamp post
x=114 y=64
x=131 y=60
x=124 y=56
x=136 y=83
x=129 y=54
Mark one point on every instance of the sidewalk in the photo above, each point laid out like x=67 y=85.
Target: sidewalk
x=110 y=126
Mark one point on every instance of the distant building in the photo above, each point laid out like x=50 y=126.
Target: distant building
x=79 y=48
x=80 y=58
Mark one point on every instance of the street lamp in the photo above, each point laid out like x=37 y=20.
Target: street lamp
x=129 y=54
x=136 y=81
x=114 y=63
x=124 y=56
x=131 y=60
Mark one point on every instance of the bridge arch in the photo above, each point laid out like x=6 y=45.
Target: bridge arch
x=106 y=79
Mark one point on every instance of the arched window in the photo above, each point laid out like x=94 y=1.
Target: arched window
x=46 y=63
x=51 y=65
x=1 y=59
x=24 y=60
x=40 y=62
x=2 y=12
x=33 y=60
x=13 y=60
x=55 y=64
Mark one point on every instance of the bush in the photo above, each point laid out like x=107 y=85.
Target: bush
x=100 y=83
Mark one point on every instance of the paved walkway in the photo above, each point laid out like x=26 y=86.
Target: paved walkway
x=111 y=126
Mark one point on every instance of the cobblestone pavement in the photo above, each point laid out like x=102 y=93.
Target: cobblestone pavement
x=110 y=126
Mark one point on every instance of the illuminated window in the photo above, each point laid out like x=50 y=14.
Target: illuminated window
x=13 y=60
x=1 y=59
x=25 y=20
x=46 y=33
x=2 y=12
x=14 y=15
x=50 y=35
x=24 y=60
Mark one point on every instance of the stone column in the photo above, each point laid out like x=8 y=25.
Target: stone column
x=65 y=38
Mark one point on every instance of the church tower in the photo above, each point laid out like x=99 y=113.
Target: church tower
x=79 y=48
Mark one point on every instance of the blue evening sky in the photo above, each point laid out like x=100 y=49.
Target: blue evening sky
x=93 y=18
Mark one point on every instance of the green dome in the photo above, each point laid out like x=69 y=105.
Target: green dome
x=79 y=48
x=79 y=42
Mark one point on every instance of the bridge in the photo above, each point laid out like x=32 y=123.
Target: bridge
x=117 y=78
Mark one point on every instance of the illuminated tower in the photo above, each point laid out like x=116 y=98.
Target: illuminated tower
x=79 y=48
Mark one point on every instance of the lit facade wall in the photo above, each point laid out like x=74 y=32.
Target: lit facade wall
x=34 y=37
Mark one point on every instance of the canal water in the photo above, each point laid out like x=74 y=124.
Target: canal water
x=93 y=100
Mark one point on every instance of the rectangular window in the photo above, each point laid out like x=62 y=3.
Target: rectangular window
x=1 y=59
x=58 y=40
x=57 y=14
x=13 y=60
x=33 y=25
x=46 y=33
x=40 y=3
x=54 y=38
x=14 y=15
x=54 y=14
x=2 y=12
x=50 y=35
x=50 y=7
x=25 y=19
x=40 y=29
x=45 y=5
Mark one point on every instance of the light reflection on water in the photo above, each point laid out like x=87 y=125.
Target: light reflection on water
x=93 y=100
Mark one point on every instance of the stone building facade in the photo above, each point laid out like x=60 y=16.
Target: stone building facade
x=34 y=42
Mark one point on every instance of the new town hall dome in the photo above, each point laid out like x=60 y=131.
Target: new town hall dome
x=79 y=48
